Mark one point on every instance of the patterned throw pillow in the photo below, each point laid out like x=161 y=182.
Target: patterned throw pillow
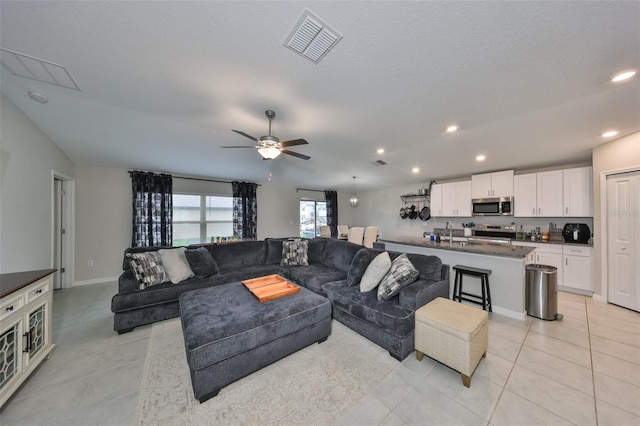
x=376 y=270
x=147 y=268
x=295 y=253
x=402 y=273
x=175 y=263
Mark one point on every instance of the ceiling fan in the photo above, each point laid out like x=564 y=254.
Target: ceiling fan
x=270 y=146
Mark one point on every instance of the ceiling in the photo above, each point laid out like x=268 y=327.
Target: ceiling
x=163 y=83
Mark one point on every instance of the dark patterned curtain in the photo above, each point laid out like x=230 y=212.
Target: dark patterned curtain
x=331 y=197
x=152 y=209
x=245 y=210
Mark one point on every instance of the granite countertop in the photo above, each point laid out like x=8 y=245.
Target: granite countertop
x=501 y=250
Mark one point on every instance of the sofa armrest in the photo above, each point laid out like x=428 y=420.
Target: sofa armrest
x=421 y=292
x=444 y=275
x=127 y=282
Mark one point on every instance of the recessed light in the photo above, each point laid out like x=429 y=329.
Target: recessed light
x=480 y=157
x=623 y=76
x=380 y=151
x=452 y=128
x=609 y=133
x=38 y=97
x=415 y=170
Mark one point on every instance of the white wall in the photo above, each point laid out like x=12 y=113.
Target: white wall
x=28 y=158
x=619 y=155
x=103 y=216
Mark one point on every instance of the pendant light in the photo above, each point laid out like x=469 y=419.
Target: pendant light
x=354 y=196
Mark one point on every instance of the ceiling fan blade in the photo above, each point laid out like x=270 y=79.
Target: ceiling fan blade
x=241 y=146
x=245 y=135
x=294 y=142
x=295 y=154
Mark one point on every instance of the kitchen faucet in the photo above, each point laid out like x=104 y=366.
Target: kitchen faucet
x=449 y=227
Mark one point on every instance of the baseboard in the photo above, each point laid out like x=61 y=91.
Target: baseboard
x=95 y=281
x=509 y=313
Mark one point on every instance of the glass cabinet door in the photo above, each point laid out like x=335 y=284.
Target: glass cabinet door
x=9 y=354
x=36 y=330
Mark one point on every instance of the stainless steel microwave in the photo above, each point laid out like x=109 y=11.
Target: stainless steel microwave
x=502 y=206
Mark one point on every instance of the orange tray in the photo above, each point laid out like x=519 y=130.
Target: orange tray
x=270 y=287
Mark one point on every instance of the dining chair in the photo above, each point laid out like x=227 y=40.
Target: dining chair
x=370 y=236
x=355 y=235
x=343 y=232
x=325 y=231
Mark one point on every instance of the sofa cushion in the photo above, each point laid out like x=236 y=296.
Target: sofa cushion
x=295 y=253
x=147 y=268
x=387 y=315
x=316 y=250
x=376 y=270
x=339 y=253
x=358 y=266
x=160 y=294
x=175 y=263
x=248 y=272
x=274 y=251
x=314 y=277
x=401 y=274
x=126 y=261
x=429 y=267
x=201 y=262
x=242 y=253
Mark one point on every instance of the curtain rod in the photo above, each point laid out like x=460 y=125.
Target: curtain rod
x=313 y=190
x=193 y=178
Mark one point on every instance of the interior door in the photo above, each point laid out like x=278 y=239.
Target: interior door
x=58 y=192
x=623 y=239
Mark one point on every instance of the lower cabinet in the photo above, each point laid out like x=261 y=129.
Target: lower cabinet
x=25 y=335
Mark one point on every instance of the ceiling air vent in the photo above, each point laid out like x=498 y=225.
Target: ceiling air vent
x=379 y=163
x=37 y=69
x=312 y=38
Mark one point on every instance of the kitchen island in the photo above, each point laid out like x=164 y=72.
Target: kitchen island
x=507 y=263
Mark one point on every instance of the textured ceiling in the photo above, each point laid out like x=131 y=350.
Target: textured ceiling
x=163 y=83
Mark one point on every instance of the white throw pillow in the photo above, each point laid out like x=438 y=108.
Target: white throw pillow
x=176 y=264
x=376 y=270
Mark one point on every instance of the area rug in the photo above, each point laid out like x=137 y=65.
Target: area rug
x=315 y=385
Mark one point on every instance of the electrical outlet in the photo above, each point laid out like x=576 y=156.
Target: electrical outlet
x=90 y=263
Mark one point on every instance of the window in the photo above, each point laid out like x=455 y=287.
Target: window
x=313 y=215
x=197 y=218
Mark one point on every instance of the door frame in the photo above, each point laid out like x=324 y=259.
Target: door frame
x=68 y=220
x=604 y=246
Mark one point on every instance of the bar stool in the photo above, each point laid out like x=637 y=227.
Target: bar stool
x=483 y=274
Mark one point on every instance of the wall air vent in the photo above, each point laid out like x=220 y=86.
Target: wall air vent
x=378 y=163
x=36 y=69
x=312 y=38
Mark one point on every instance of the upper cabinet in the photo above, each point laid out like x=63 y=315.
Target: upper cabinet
x=451 y=199
x=558 y=193
x=498 y=184
x=538 y=194
x=578 y=192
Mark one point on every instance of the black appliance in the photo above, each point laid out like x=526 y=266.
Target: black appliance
x=576 y=233
x=502 y=206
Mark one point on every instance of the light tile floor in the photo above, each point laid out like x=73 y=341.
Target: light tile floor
x=582 y=370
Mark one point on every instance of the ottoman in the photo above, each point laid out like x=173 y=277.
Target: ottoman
x=452 y=333
x=229 y=334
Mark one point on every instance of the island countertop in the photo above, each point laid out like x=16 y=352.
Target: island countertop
x=501 y=250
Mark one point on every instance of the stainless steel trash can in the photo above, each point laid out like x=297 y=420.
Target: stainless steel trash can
x=541 y=292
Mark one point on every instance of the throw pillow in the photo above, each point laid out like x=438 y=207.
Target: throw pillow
x=295 y=253
x=147 y=268
x=401 y=274
x=376 y=270
x=358 y=266
x=176 y=264
x=201 y=262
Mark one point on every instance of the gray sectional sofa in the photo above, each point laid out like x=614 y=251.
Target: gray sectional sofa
x=333 y=265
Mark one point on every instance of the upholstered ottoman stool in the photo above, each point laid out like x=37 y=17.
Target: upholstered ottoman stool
x=452 y=333
x=229 y=334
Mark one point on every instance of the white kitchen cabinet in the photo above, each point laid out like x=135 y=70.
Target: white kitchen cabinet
x=497 y=184
x=25 y=334
x=578 y=268
x=578 y=192
x=525 y=195
x=456 y=199
x=538 y=194
x=436 y=200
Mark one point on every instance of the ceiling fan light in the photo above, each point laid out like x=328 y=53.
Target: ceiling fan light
x=269 y=152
